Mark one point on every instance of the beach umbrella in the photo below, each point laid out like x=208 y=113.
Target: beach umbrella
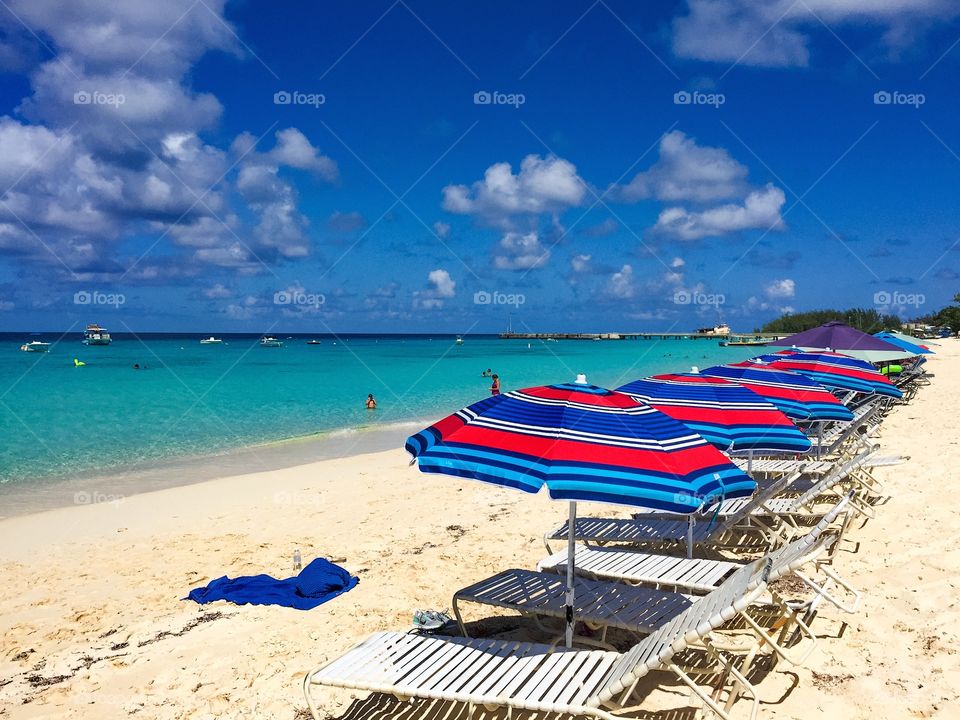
x=581 y=442
x=730 y=416
x=901 y=341
x=840 y=337
x=832 y=370
x=796 y=396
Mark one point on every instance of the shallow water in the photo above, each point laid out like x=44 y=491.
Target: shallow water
x=59 y=421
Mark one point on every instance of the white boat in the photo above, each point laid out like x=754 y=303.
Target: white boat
x=459 y=340
x=96 y=335
x=35 y=346
x=269 y=341
x=211 y=341
x=722 y=329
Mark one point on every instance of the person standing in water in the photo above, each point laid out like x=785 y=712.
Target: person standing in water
x=371 y=402
x=495 y=388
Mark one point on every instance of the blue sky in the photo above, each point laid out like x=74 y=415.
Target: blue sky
x=592 y=166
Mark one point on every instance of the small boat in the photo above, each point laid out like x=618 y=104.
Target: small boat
x=314 y=342
x=721 y=329
x=459 y=340
x=35 y=346
x=211 y=341
x=268 y=341
x=96 y=335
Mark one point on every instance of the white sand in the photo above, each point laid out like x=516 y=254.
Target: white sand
x=93 y=592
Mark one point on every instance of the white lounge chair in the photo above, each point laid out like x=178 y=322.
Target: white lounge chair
x=698 y=575
x=535 y=677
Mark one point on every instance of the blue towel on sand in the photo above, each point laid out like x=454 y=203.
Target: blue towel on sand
x=318 y=582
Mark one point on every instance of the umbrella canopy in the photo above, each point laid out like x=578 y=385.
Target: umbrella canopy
x=796 y=396
x=836 y=336
x=723 y=412
x=912 y=345
x=582 y=442
x=925 y=344
x=832 y=370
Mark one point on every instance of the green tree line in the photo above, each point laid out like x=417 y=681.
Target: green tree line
x=868 y=320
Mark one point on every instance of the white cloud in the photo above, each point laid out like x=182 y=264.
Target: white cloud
x=677 y=262
x=580 y=263
x=90 y=174
x=218 y=291
x=444 y=286
x=442 y=229
x=687 y=171
x=520 y=251
x=760 y=210
x=778 y=33
x=548 y=184
x=780 y=289
x=621 y=284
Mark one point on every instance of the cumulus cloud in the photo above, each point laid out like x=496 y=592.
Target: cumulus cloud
x=85 y=174
x=780 y=289
x=442 y=229
x=543 y=185
x=443 y=284
x=760 y=210
x=622 y=284
x=686 y=171
x=519 y=251
x=778 y=33
x=218 y=291
x=580 y=263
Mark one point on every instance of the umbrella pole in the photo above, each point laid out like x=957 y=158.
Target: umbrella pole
x=750 y=462
x=571 y=546
x=690 y=522
x=820 y=440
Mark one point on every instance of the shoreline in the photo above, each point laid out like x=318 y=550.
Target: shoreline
x=93 y=624
x=19 y=498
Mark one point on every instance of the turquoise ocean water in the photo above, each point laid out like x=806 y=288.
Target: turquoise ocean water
x=58 y=421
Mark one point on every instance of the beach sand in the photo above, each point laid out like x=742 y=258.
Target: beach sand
x=93 y=624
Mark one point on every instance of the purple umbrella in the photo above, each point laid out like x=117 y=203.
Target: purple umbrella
x=841 y=337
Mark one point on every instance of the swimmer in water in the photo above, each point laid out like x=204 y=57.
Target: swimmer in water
x=371 y=402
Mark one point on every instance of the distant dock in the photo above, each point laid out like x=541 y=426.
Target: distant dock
x=733 y=336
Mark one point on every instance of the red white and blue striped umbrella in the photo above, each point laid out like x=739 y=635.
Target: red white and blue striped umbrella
x=832 y=370
x=796 y=396
x=582 y=442
x=725 y=413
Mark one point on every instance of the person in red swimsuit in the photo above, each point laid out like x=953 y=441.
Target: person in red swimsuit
x=495 y=388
